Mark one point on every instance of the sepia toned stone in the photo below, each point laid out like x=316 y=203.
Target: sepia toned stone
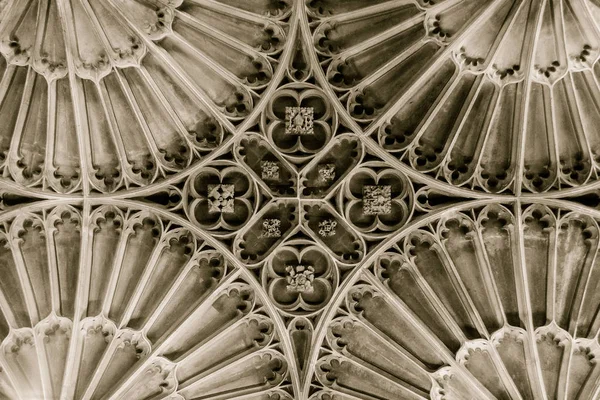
x=299 y=120
x=269 y=170
x=220 y=198
x=377 y=199
x=327 y=228
x=271 y=228
x=300 y=278
x=299 y=200
x=326 y=172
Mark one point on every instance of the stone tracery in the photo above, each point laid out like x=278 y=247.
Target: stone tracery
x=226 y=199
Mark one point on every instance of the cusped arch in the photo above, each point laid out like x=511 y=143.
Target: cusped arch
x=436 y=138
x=108 y=96
x=126 y=300
x=480 y=300
x=459 y=91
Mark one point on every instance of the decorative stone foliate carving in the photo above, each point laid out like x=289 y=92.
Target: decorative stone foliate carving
x=299 y=121
x=378 y=199
x=307 y=200
x=220 y=198
x=299 y=162
x=300 y=277
x=103 y=96
x=495 y=95
x=482 y=302
x=137 y=307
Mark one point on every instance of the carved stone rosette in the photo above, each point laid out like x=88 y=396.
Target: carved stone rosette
x=299 y=199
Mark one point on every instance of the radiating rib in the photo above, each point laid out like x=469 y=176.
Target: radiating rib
x=243 y=337
x=161 y=345
x=127 y=49
x=167 y=141
x=49 y=52
x=221 y=47
x=380 y=354
x=63 y=170
x=337 y=372
x=190 y=281
x=29 y=138
x=223 y=88
x=465 y=247
x=428 y=337
x=169 y=256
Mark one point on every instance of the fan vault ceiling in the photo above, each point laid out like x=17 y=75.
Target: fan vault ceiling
x=299 y=199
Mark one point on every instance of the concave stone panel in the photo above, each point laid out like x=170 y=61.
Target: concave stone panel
x=299 y=199
x=499 y=96
x=105 y=95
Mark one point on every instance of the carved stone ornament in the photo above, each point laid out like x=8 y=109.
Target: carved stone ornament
x=300 y=199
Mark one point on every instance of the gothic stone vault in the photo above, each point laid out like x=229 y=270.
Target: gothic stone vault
x=300 y=199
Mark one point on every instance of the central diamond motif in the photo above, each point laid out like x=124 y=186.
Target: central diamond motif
x=220 y=198
x=299 y=278
x=299 y=120
x=377 y=199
